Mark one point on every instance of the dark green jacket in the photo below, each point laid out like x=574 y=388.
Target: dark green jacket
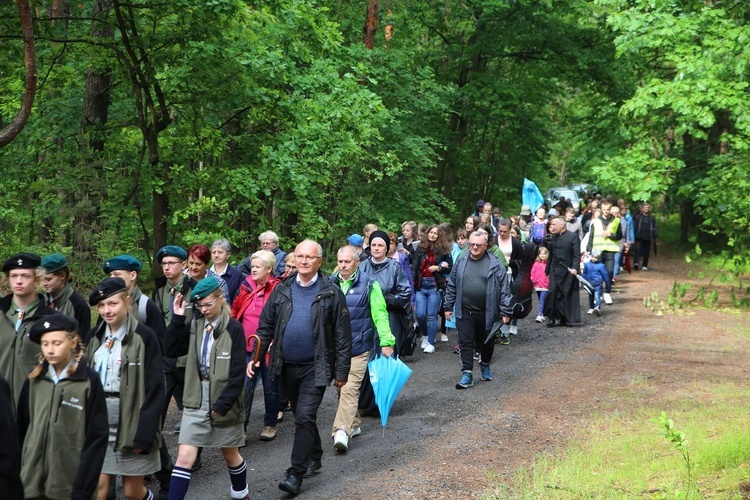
x=142 y=390
x=226 y=370
x=63 y=430
x=19 y=355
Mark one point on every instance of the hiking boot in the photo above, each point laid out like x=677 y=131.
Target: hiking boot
x=467 y=380
x=484 y=369
x=268 y=434
x=340 y=441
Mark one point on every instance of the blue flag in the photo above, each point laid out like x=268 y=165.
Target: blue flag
x=531 y=196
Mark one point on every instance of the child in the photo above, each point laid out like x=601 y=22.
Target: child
x=62 y=416
x=595 y=273
x=214 y=413
x=540 y=280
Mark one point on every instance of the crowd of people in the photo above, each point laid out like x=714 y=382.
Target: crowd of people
x=81 y=405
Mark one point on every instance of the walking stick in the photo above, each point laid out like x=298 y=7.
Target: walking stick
x=256 y=358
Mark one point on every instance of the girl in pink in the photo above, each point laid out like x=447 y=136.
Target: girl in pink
x=540 y=280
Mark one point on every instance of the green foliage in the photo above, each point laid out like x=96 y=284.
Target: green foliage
x=679 y=440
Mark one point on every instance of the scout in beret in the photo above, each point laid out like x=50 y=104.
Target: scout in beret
x=178 y=253
x=143 y=308
x=24 y=306
x=59 y=292
x=215 y=347
x=62 y=416
x=126 y=356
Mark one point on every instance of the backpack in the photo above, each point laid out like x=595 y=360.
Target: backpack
x=538 y=231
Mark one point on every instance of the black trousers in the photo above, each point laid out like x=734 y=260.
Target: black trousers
x=305 y=396
x=472 y=334
x=642 y=249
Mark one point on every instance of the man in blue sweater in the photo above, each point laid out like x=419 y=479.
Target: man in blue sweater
x=307 y=318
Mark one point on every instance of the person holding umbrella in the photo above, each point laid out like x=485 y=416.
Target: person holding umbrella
x=479 y=287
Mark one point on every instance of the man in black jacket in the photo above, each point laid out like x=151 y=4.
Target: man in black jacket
x=644 y=225
x=563 y=301
x=307 y=319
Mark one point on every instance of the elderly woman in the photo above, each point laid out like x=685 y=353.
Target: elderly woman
x=253 y=295
x=220 y=252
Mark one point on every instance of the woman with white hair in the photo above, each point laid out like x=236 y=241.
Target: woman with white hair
x=221 y=249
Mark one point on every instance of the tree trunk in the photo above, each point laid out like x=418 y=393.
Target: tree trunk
x=371 y=24
x=19 y=122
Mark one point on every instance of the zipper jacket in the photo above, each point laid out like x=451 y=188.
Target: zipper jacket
x=70 y=303
x=18 y=354
x=226 y=368
x=142 y=392
x=63 y=430
x=331 y=330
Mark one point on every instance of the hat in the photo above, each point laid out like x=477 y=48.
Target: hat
x=122 y=263
x=204 y=288
x=22 y=261
x=57 y=322
x=54 y=262
x=106 y=289
x=480 y=203
x=171 y=251
x=356 y=240
x=383 y=236
x=525 y=210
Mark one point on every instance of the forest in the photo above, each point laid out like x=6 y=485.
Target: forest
x=180 y=122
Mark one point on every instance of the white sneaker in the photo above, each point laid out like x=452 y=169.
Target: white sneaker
x=425 y=342
x=429 y=349
x=644 y=268
x=607 y=298
x=590 y=311
x=443 y=337
x=340 y=441
x=539 y=319
x=513 y=330
x=356 y=431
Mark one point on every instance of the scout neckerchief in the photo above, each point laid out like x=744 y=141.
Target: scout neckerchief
x=210 y=329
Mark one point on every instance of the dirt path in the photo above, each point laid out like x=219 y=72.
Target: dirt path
x=440 y=442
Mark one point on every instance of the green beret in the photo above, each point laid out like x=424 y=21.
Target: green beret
x=54 y=262
x=122 y=263
x=57 y=322
x=171 y=251
x=22 y=261
x=106 y=289
x=204 y=288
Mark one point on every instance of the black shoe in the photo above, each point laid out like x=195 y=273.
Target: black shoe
x=291 y=484
x=551 y=323
x=313 y=467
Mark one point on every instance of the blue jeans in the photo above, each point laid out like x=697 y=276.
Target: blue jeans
x=596 y=299
x=542 y=294
x=270 y=394
x=616 y=270
x=427 y=306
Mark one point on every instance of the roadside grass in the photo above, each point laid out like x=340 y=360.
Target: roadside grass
x=622 y=454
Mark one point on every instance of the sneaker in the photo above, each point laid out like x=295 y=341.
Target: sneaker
x=467 y=380
x=356 y=431
x=484 y=368
x=280 y=416
x=443 y=337
x=513 y=330
x=607 y=298
x=597 y=311
x=539 y=319
x=504 y=340
x=644 y=268
x=340 y=441
x=268 y=433
x=614 y=280
x=429 y=349
x=636 y=266
x=457 y=349
x=477 y=356
x=425 y=342
x=590 y=311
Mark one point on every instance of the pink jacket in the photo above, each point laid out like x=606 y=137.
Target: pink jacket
x=538 y=278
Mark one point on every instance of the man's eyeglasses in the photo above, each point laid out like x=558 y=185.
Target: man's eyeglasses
x=206 y=305
x=170 y=263
x=306 y=257
x=476 y=245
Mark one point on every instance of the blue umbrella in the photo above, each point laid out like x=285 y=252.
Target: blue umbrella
x=387 y=376
x=531 y=196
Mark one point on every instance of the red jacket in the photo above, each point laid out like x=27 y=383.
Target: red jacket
x=249 y=303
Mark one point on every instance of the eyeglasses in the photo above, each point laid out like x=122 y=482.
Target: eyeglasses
x=476 y=245
x=306 y=257
x=170 y=263
x=206 y=305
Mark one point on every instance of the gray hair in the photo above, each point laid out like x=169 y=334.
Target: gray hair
x=267 y=258
x=320 y=248
x=269 y=235
x=482 y=233
x=222 y=243
x=355 y=252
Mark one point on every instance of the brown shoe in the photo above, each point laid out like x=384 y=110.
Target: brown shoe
x=268 y=434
